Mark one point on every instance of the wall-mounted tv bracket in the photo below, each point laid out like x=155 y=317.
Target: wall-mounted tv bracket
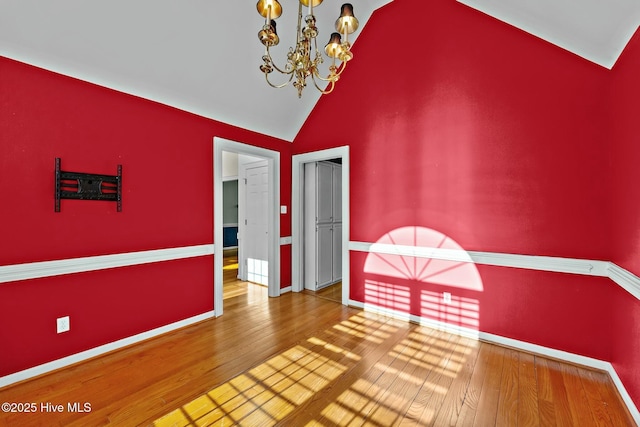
x=88 y=186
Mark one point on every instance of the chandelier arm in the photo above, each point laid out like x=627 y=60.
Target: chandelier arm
x=340 y=69
x=266 y=76
x=332 y=84
x=268 y=54
x=290 y=72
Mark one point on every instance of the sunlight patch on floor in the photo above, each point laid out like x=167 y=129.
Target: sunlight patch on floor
x=268 y=393
x=359 y=327
x=262 y=396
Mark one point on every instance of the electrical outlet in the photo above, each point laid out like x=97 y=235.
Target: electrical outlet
x=446 y=297
x=63 y=324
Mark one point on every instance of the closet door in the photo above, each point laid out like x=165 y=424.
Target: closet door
x=337 y=252
x=337 y=193
x=324 y=194
x=324 y=254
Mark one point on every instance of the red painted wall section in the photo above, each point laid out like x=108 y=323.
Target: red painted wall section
x=483 y=132
x=556 y=310
x=622 y=143
x=167 y=159
x=167 y=168
x=493 y=138
x=625 y=155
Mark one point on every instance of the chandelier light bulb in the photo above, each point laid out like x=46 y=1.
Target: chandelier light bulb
x=269 y=9
x=334 y=47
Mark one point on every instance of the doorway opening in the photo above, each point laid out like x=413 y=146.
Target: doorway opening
x=258 y=250
x=309 y=268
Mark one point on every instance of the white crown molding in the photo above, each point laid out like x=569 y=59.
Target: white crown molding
x=97 y=351
x=34 y=270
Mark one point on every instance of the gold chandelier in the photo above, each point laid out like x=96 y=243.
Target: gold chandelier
x=300 y=63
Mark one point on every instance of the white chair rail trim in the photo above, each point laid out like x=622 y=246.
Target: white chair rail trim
x=624 y=278
x=34 y=270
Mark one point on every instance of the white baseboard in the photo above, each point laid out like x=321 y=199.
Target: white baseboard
x=509 y=342
x=285 y=290
x=97 y=351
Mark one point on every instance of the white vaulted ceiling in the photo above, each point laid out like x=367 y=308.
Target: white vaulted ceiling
x=202 y=56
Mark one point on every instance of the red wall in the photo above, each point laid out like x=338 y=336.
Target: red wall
x=625 y=204
x=167 y=158
x=501 y=142
x=483 y=132
x=498 y=140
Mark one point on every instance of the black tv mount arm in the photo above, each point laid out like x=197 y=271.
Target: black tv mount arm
x=88 y=186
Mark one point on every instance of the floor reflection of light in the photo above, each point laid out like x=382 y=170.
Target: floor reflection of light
x=326 y=377
x=267 y=393
x=357 y=327
x=333 y=348
x=258 y=271
x=262 y=396
x=255 y=293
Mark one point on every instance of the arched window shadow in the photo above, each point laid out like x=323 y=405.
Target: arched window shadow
x=425 y=276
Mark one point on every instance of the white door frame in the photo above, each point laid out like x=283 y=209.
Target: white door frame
x=273 y=163
x=297 y=218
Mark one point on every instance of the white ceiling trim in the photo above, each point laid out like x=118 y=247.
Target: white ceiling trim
x=597 y=30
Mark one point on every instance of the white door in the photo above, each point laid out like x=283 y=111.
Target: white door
x=255 y=247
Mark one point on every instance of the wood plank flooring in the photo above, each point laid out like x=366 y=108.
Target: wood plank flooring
x=304 y=360
x=333 y=292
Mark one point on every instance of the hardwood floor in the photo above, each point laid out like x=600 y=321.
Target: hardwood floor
x=304 y=360
x=333 y=292
x=234 y=287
